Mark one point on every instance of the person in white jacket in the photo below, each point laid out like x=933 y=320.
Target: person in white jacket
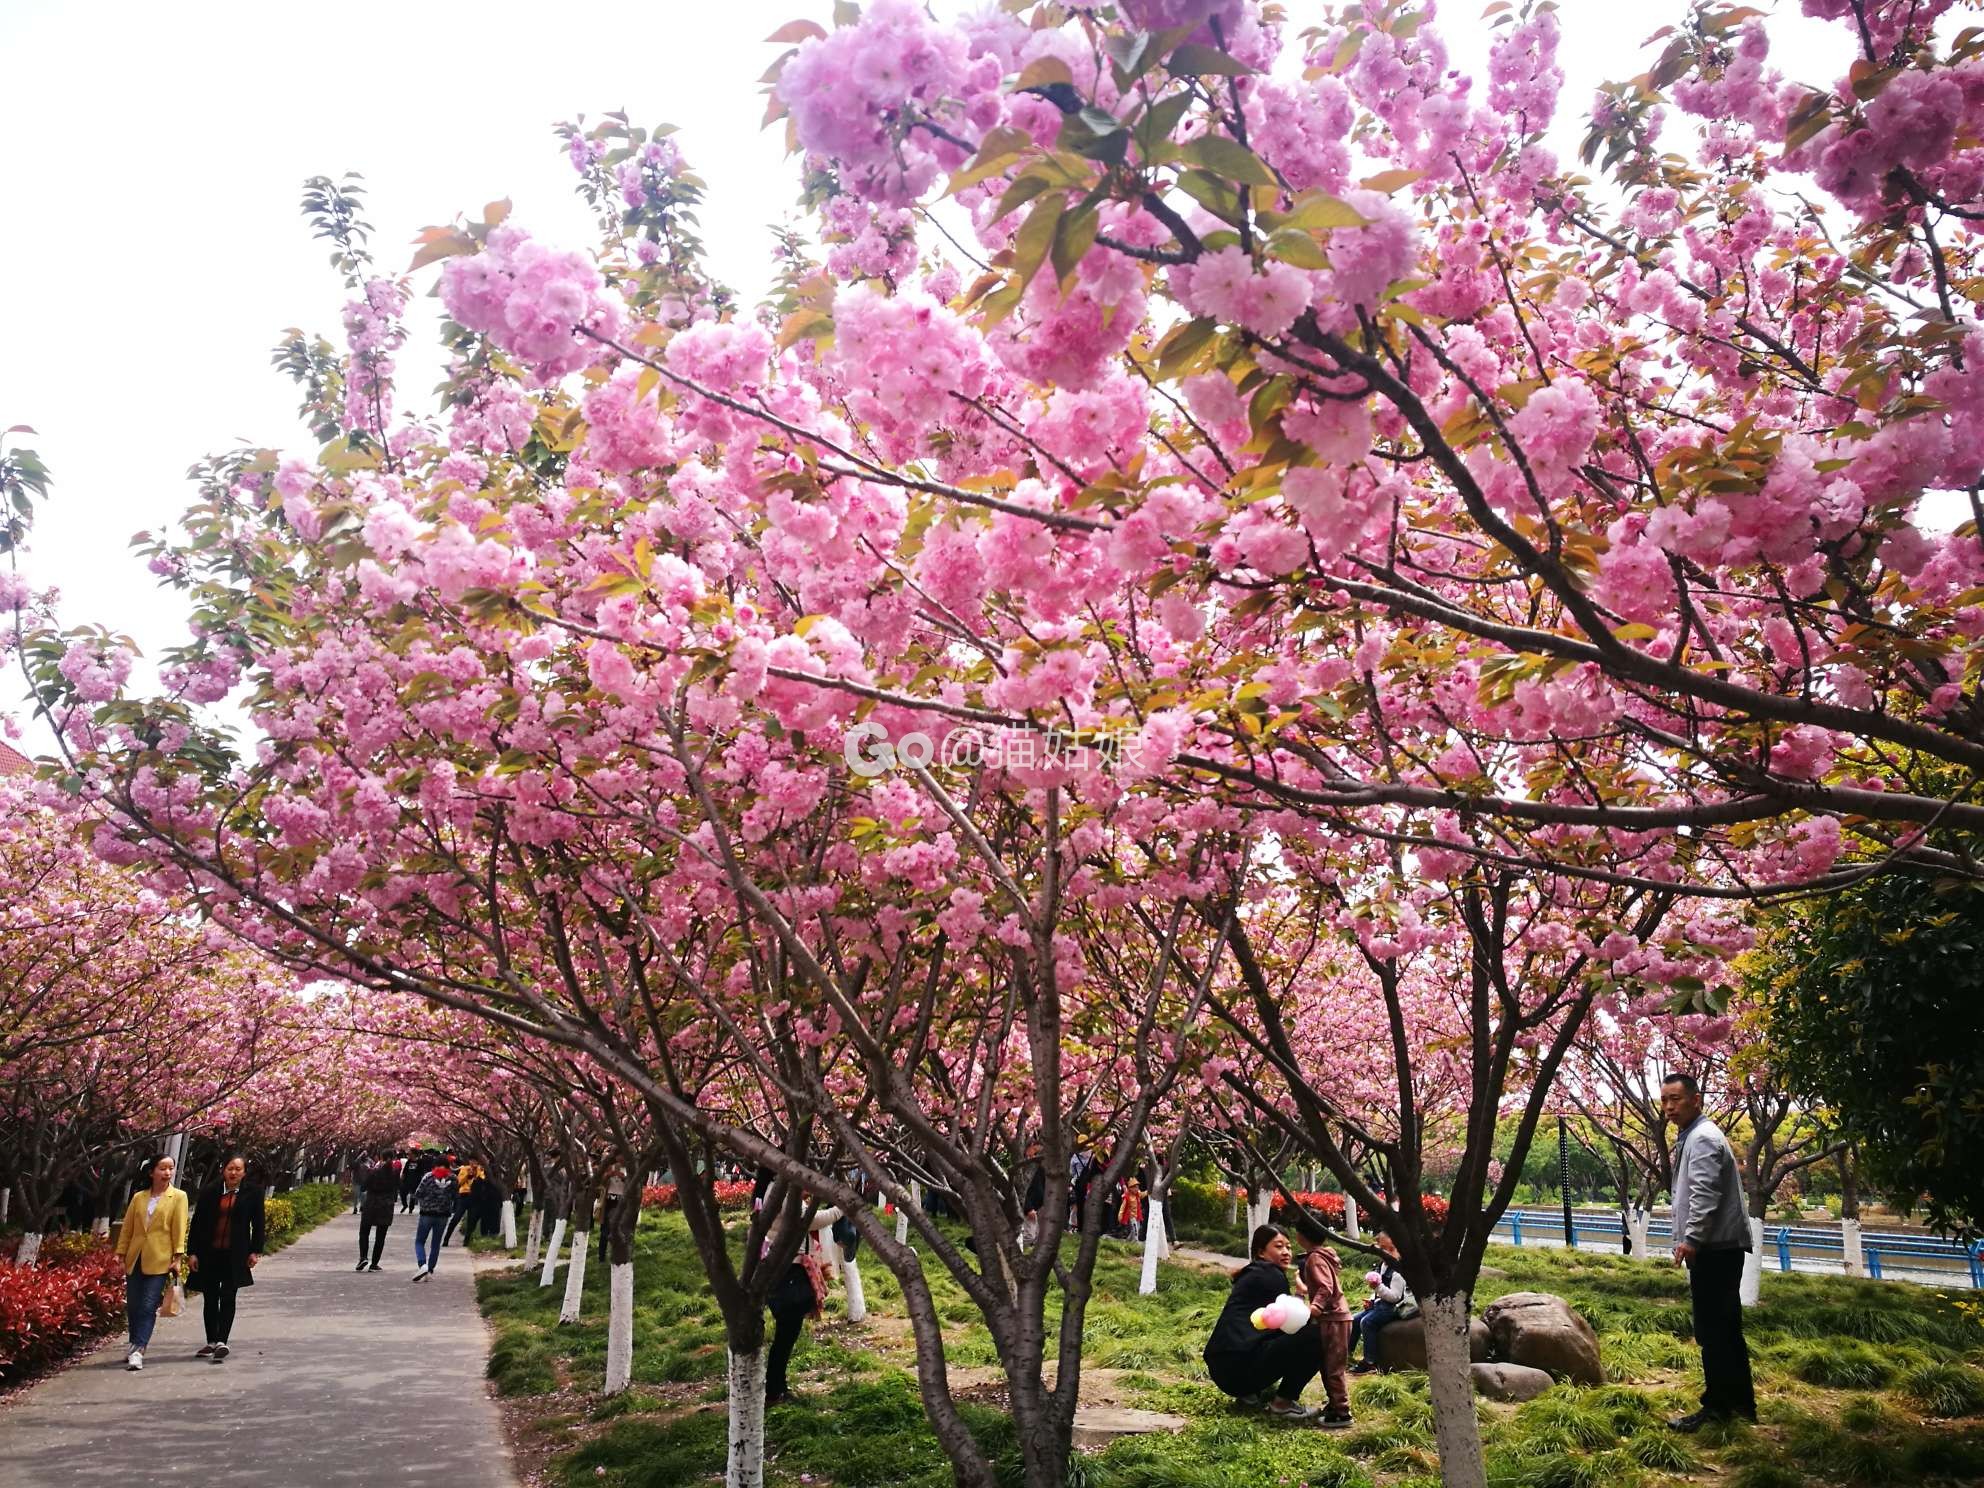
x=1390 y=1298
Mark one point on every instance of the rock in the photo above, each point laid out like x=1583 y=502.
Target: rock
x=1495 y=1271
x=1099 y=1425
x=1510 y=1381
x=1542 y=1331
x=1403 y=1345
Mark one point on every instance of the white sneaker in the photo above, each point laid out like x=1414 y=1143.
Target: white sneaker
x=136 y=1361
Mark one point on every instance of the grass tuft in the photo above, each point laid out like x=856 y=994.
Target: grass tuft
x=1945 y=1390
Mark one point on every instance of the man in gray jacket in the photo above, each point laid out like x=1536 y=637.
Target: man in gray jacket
x=1711 y=1237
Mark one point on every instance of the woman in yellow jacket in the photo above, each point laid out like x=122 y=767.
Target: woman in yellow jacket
x=152 y=1244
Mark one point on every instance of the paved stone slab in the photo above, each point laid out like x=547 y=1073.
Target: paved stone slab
x=336 y=1378
x=1099 y=1425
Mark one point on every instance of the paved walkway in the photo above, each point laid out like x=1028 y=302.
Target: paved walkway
x=336 y=1378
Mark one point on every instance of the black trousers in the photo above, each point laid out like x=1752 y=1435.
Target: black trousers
x=217 y=1308
x=1286 y=1361
x=461 y=1212
x=1715 y=1279
x=789 y=1319
x=376 y=1234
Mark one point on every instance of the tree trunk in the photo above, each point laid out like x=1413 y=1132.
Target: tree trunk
x=1753 y=1264
x=857 y=1300
x=1350 y=1218
x=509 y=1224
x=30 y=1248
x=902 y=1222
x=745 y=1465
x=1232 y=1205
x=575 y=1276
x=551 y=1253
x=534 y=1242
x=1450 y=1382
x=619 y=1327
x=1153 y=1246
x=6 y=1201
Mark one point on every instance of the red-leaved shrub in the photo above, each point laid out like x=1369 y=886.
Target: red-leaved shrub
x=1328 y=1207
x=48 y=1312
x=728 y=1196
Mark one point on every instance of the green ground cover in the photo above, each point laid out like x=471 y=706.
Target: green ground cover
x=1858 y=1383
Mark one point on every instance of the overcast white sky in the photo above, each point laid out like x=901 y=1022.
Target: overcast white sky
x=151 y=159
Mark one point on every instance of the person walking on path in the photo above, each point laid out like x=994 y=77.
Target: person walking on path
x=1711 y=1237
x=151 y=1245
x=228 y=1235
x=416 y=1167
x=465 y=1177
x=1321 y=1273
x=1248 y=1363
x=435 y=1199
x=375 y=1213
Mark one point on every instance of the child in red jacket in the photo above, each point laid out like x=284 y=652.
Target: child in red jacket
x=1322 y=1284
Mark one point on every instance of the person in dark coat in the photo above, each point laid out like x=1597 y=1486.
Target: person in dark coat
x=376 y=1209
x=411 y=1172
x=1246 y=1362
x=226 y=1241
x=486 y=1199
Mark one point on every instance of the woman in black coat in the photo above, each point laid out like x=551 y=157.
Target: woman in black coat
x=375 y=1211
x=1246 y=1362
x=226 y=1241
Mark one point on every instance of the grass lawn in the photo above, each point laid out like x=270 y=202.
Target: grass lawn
x=1857 y=1381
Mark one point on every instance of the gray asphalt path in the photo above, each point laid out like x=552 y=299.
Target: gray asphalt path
x=336 y=1378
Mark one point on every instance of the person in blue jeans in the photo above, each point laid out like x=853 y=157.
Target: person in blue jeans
x=435 y=1201
x=1389 y=1296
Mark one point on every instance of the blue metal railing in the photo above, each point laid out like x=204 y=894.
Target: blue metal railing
x=1874 y=1245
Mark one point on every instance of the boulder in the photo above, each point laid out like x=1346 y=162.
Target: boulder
x=1543 y=1332
x=1403 y=1345
x=1510 y=1381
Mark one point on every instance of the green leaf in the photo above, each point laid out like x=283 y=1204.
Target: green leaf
x=1036 y=236
x=1073 y=237
x=1292 y=245
x=1193 y=60
x=1022 y=191
x=1178 y=348
x=1216 y=196
x=1229 y=158
x=1318 y=211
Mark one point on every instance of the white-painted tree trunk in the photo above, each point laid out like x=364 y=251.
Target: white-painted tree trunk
x=1450 y=1382
x=1258 y=1209
x=551 y=1253
x=1350 y=1218
x=534 y=1239
x=1232 y=1206
x=509 y=1224
x=1753 y=1265
x=902 y=1227
x=1638 y=1221
x=745 y=1464
x=6 y=1203
x=1153 y=1245
x=575 y=1277
x=30 y=1248
x=857 y=1300
x=1163 y=1235
x=1856 y=1254
x=100 y=1225
x=619 y=1326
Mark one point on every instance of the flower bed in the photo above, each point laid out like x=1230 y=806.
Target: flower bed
x=54 y=1309
x=664 y=1196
